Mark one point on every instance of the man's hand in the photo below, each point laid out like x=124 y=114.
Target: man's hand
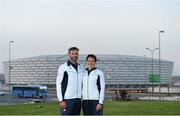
x=63 y=104
x=99 y=107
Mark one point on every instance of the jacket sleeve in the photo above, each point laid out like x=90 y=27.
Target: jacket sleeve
x=58 y=83
x=102 y=84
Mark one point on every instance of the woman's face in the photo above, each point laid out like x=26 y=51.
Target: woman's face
x=90 y=63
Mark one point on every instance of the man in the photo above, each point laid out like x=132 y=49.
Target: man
x=69 y=84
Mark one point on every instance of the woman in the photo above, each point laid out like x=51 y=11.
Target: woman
x=93 y=88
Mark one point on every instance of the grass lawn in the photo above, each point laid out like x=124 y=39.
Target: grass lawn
x=110 y=108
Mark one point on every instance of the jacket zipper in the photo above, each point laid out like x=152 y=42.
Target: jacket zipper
x=77 y=84
x=88 y=86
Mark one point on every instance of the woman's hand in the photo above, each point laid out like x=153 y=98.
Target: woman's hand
x=63 y=104
x=99 y=107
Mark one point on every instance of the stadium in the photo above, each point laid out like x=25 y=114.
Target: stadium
x=121 y=71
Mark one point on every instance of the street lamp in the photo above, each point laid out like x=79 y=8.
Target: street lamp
x=146 y=77
x=10 y=43
x=152 y=53
x=146 y=82
x=160 y=63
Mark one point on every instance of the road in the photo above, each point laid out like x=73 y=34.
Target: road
x=6 y=99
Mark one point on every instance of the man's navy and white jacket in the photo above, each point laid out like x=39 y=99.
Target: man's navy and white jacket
x=69 y=81
x=93 y=85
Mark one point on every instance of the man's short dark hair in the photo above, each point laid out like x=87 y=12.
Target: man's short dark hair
x=73 y=48
x=91 y=56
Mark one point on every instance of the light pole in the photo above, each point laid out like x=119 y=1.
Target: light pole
x=152 y=53
x=160 y=63
x=10 y=43
x=146 y=79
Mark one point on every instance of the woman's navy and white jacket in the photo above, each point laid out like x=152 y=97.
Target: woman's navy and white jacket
x=93 y=85
x=69 y=81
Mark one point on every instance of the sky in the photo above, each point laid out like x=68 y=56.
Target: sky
x=124 y=27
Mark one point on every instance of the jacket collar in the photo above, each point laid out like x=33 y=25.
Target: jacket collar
x=89 y=71
x=70 y=63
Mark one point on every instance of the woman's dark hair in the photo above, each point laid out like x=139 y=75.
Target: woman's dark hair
x=91 y=56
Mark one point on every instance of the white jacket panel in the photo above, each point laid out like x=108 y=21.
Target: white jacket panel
x=90 y=88
x=74 y=86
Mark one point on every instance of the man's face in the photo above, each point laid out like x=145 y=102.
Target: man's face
x=73 y=55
